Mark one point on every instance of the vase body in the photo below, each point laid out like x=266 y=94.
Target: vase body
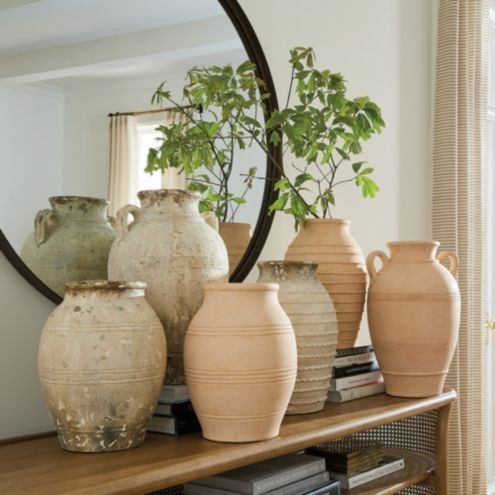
x=311 y=312
x=236 y=237
x=341 y=268
x=413 y=314
x=174 y=250
x=101 y=364
x=71 y=241
x=241 y=362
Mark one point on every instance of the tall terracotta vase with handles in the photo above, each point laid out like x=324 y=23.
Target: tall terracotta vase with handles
x=341 y=268
x=174 y=250
x=413 y=313
x=240 y=359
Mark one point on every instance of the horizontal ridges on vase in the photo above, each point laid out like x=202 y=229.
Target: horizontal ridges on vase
x=239 y=418
x=236 y=331
x=241 y=377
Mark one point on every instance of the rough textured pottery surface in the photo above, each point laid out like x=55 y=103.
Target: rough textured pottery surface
x=174 y=250
x=101 y=363
x=240 y=359
x=236 y=237
x=413 y=313
x=71 y=241
x=341 y=268
x=311 y=312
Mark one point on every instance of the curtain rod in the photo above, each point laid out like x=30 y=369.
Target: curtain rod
x=146 y=112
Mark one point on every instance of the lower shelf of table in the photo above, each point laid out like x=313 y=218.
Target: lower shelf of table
x=418 y=468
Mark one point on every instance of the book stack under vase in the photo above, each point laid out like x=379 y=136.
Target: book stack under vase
x=174 y=414
x=355 y=374
x=356 y=463
x=292 y=474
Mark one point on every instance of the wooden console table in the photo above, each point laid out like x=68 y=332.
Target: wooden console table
x=41 y=467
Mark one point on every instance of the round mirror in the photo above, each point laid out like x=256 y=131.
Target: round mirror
x=78 y=122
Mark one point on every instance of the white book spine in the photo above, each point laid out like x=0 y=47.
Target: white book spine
x=354 y=380
x=367 y=357
x=356 y=392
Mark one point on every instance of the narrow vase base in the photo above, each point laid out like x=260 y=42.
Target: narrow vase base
x=294 y=409
x=104 y=440
x=239 y=432
x=413 y=386
x=175 y=370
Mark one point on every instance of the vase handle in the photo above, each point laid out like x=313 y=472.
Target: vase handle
x=212 y=220
x=453 y=260
x=121 y=225
x=43 y=221
x=370 y=262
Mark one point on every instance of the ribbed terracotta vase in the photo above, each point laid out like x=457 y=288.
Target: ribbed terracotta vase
x=172 y=248
x=311 y=312
x=341 y=268
x=101 y=365
x=240 y=358
x=236 y=237
x=413 y=313
x=71 y=241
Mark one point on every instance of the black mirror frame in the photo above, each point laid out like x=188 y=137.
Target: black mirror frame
x=264 y=223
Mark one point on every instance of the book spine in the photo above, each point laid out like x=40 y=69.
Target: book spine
x=356 y=392
x=353 y=381
x=262 y=486
x=374 y=474
x=354 y=369
x=306 y=483
x=357 y=359
x=351 y=351
x=331 y=488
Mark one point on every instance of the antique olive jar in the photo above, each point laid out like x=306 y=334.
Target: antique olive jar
x=71 y=241
x=101 y=362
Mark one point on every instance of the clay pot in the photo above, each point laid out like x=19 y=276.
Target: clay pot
x=174 y=250
x=341 y=269
x=101 y=364
x=70 y=242
x=240 y=358
x=236 y=237
x=413 y=313
x=311 y=312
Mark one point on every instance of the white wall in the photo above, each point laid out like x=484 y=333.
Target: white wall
x=31 y=148
x=383 y=48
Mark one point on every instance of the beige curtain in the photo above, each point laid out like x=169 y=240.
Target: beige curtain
x=121 y=181
x=459 y=217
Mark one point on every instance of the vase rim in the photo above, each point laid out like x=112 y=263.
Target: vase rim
x=69 y=199
x=167 y=193
x=310 y=264
x=103 y=285
x=240 y=224
x=241 y=286
x=413 y=243
x=342 y=221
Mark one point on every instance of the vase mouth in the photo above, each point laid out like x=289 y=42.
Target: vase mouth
x=63 y=200
x=237 y=224
x=241 y=286
x=288 y=263
x=168 y=193
x=338 y=221
x=103 y=285
x=391 y=244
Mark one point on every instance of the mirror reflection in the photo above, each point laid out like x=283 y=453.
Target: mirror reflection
x=76 y=83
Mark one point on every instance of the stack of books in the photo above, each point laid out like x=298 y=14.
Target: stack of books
x=292 y=474
x=357 y=463
x=355 y=374
x=174 y=414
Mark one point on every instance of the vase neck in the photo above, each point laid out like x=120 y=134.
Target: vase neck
x=413 y=251
x=330 y=225
x=169 y=201
x=79 y=208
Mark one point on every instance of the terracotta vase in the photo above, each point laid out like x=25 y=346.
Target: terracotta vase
x=240 y=358
x=413 y=313
x=341 y=269
x=71 y=241
x=236 y=237
x=311 y=312
x=174 y=250
x=101 y=363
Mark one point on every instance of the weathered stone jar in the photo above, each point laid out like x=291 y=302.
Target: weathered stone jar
x=101 y=363
x=240 y=359
x=413 y=313
x=174 y=250
x=341 y=268
x=71 y=241
x=311 y=312
x=236 y=236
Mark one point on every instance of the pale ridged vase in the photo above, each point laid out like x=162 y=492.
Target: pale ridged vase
x=240 y=359
x=341 y=268
x=313 y=317
x=101 y=364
